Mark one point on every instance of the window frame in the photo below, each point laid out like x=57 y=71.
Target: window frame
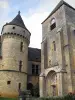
x=35 y=70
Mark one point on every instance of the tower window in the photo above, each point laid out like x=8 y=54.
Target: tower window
x=35 y=69
x=21 y=46
x=20 y=65
x=19 y=86
x=54 y=46
x=52 y=24
x=13 y=27
x=8 y=82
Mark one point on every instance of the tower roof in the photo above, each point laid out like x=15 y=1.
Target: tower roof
x=57 y=7
x=18 y=21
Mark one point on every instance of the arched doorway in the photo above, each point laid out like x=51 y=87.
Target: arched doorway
x=51 y=84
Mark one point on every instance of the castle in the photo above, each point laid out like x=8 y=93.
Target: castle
x=16 y=59
x=20 y=64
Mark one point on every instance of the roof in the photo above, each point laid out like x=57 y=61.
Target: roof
x=57 y=7
x=34 y=54
x=18 y=21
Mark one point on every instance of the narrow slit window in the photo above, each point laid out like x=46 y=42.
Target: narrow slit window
x=19 y=86
x=20 y=65
x=54 y=45
x=21 y=46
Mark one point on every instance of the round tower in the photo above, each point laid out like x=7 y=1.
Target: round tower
x=13 y=72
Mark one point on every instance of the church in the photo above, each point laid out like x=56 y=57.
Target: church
x=57 y=76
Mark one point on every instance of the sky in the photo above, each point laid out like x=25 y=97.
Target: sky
x=33 y=13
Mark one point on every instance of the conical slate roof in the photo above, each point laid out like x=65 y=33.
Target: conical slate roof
x=57 y=7
x=18 y=21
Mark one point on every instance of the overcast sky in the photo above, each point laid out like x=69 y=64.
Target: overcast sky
x=33 y=12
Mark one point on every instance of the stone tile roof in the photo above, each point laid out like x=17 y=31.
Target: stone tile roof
x=17 y=21
x=34 y=54
x=57 y=7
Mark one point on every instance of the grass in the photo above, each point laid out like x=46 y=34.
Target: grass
x=2 y=98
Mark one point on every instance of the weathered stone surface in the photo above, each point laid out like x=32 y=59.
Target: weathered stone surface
x=61 y=60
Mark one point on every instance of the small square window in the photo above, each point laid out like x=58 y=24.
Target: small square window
x=24 y=31
x=13 y=27
x=8 y=82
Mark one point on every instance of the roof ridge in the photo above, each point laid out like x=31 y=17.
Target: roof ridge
x=57 y=7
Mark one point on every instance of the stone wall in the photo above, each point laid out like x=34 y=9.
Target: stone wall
x=12 y=89
x=9 y=70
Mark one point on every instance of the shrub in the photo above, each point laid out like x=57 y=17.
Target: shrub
x=70 y=96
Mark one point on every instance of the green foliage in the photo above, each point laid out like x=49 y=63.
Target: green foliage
x=67 y=97
x=36 y=90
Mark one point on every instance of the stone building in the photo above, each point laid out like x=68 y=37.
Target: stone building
x=15 y=38
x=58 y=52
x=19 y=64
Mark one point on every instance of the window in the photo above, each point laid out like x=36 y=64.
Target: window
x=54 y=46
x=8 y=82
x=20 y=65
x=21 y=46
x=35 y=69
x=0 y=49
x=19 y=86
x=74 y=32
x=52 y=24
x=13 y=27
x=24 y=31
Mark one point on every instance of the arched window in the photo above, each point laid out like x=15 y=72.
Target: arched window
x=52 y=23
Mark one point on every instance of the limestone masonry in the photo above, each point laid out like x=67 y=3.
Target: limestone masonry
x=50 y=70
x=57 y=76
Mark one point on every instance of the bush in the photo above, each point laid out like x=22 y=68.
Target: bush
x=67 y=97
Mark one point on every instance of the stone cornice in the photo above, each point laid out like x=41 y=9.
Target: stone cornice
x=9 y=35
x=13 y=71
